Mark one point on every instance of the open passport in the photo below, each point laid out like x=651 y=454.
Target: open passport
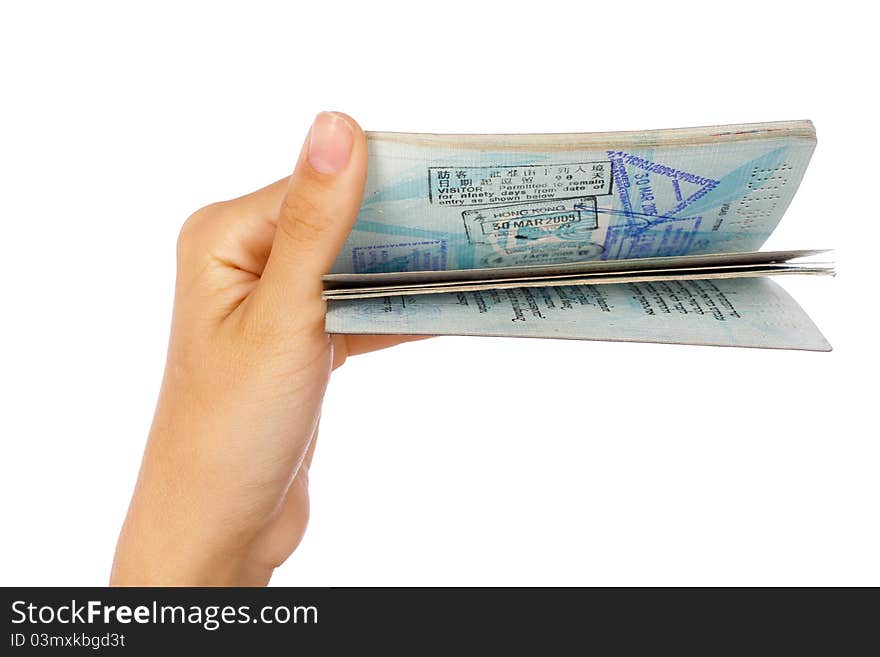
x=646 y=236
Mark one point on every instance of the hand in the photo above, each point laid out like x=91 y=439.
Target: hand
x=222 y=495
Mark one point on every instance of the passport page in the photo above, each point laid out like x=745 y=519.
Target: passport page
x=739 y=312
x=445 y=202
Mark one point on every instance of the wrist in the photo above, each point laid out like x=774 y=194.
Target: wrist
x=170 y=540
x=141 y=560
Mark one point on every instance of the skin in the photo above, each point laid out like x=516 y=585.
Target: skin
x=222 y=494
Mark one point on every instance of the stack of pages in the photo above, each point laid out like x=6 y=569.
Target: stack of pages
x=637 y=236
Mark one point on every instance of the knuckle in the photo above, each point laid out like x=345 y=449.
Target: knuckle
x=302 y=218
x=192 y=232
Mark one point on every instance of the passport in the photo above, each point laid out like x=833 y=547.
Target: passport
x=647 y=236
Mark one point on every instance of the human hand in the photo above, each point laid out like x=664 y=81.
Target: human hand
x=222 y=495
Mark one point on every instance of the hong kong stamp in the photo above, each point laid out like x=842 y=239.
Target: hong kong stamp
x=530 y=221
x=421 y=255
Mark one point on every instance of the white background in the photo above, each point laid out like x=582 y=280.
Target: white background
x=457 y=460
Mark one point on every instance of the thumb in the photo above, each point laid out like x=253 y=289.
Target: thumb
x=317 y=212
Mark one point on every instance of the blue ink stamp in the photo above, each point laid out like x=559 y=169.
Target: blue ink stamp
x=682 y=182
x=420 y=255
x=644 y=229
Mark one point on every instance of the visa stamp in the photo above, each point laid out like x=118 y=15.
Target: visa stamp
x=465 y=186
x=648 y=178
x=419 y=255
x=652 y=198
x=530 y=221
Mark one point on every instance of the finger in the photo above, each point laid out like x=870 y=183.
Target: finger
x=317 y=212
x=362 y=344
x=354 y=345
